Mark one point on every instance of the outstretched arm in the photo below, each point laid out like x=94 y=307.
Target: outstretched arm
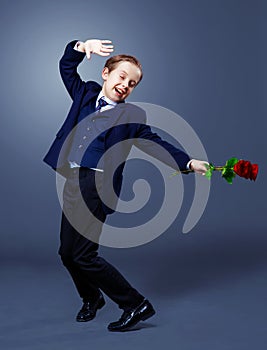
x=73 y=57
x=180 y=158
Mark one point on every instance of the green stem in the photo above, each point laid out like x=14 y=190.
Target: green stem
x=218 y=168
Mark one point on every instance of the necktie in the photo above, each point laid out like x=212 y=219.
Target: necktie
x=101 y=103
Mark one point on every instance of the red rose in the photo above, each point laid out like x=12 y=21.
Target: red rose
x=245 y=169
x=242 y=168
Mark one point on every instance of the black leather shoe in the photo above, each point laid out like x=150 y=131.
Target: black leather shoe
x=131 y=318
x=89 y=309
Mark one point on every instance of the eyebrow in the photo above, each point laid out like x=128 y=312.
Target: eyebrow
x=123 y=71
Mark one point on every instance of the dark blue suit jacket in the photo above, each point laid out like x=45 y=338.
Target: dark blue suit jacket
x=128 y=123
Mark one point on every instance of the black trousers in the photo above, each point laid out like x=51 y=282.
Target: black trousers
x=90 y=272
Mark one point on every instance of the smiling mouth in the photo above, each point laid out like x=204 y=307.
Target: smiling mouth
x=119 y=91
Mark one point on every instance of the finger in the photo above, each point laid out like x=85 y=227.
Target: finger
x=201 y=171
x=106 y=50
x=88 y=53
x=104 y=53
x=108 y=46
x=106 y=41
x=203 y=168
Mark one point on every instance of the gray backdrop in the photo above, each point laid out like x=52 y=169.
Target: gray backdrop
x=203 y=59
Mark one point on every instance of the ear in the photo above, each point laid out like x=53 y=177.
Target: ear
x=105 y=73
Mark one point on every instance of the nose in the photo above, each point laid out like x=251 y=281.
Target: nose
x=124 y=86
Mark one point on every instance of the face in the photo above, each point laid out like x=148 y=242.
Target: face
x=120 y=82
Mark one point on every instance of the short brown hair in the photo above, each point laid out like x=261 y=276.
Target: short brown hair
x=113 y=61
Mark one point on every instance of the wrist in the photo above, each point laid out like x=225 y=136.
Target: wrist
x=79 y=46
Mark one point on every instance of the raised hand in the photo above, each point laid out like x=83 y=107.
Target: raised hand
x=96 y=46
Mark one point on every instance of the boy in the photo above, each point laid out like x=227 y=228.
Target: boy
x=81 y=158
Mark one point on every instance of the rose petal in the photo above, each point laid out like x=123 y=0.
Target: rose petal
x=254 y=171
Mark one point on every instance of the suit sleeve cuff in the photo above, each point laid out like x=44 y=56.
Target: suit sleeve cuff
x=76 y=45
x=189 y=164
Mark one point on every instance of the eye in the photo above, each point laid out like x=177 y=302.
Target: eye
x=122 y=76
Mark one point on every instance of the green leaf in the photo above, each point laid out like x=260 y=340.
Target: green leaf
x=209 y=172
x=231 y=162
x=228 y=175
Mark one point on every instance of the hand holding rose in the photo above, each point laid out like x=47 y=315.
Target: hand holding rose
x=198 y=166
x=233 y=167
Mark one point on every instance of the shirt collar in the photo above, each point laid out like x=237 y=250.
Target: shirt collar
x=110 y=102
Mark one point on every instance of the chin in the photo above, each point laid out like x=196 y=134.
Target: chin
x=118 y=100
